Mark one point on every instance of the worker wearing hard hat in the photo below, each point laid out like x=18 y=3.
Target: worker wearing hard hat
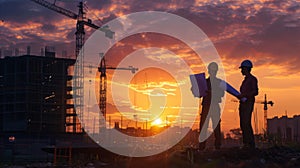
x=248 y=89
x=211 y=102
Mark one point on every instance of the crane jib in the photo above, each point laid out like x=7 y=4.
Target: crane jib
x=56 y=8
x=66 y=12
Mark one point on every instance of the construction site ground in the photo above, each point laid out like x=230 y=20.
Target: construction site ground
x=276 y=156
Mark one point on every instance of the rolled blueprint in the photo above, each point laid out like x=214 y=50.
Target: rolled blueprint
x=231 y=90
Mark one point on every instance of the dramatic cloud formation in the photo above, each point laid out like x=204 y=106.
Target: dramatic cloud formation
x=265 y=31
x=268 y=29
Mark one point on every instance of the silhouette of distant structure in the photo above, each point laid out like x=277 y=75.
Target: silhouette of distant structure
x=35 y=93
x=37 y=112
x=285 y=129
x=36 y=105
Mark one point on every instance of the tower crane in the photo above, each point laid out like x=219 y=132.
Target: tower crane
x=265 y=103
x=80 y=33
x=103 y=83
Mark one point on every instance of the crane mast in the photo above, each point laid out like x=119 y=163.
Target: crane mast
x=265 y=103
x=79 y=30
x=78 y=77
x=79 y=70
x=102 y=89
x=103 y=84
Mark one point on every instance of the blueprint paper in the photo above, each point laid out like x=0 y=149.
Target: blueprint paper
x=231 y=90
x=199 y=86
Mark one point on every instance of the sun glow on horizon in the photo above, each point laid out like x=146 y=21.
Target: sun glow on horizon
x=157 y=122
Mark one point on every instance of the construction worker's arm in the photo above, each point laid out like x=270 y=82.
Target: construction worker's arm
x=254 y=91
x=229 y=89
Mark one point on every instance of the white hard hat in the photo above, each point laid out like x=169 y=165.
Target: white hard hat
x=246 y=63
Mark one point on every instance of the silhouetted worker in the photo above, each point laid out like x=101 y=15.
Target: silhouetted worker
x=248 y=89
x=211 y=101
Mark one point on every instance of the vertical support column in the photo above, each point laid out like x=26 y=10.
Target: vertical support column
x=79 y=71
x=102 y=90
x=265 y=113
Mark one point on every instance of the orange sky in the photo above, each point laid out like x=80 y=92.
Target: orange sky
x=269 y=76
x=266 y=32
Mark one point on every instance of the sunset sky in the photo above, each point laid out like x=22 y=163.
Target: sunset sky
x=264 y=31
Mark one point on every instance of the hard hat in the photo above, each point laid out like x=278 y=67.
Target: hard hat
x=213 y=66
x=246 y=63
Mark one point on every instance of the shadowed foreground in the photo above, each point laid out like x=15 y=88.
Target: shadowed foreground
x=230 y=157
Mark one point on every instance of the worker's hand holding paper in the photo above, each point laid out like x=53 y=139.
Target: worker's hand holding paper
x=231 y=90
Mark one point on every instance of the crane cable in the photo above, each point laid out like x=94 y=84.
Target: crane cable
x=93 y=13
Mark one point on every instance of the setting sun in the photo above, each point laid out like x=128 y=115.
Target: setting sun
x=157 y=122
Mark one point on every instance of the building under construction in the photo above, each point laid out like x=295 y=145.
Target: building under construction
x=284 y=129
x=36 y=104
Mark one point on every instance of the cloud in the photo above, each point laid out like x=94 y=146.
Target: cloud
x=266 y=31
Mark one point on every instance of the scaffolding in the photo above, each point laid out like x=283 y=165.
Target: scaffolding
x=34 y=95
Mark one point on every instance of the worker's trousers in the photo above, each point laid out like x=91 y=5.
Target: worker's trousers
x=245 y=112
x=206 y=115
